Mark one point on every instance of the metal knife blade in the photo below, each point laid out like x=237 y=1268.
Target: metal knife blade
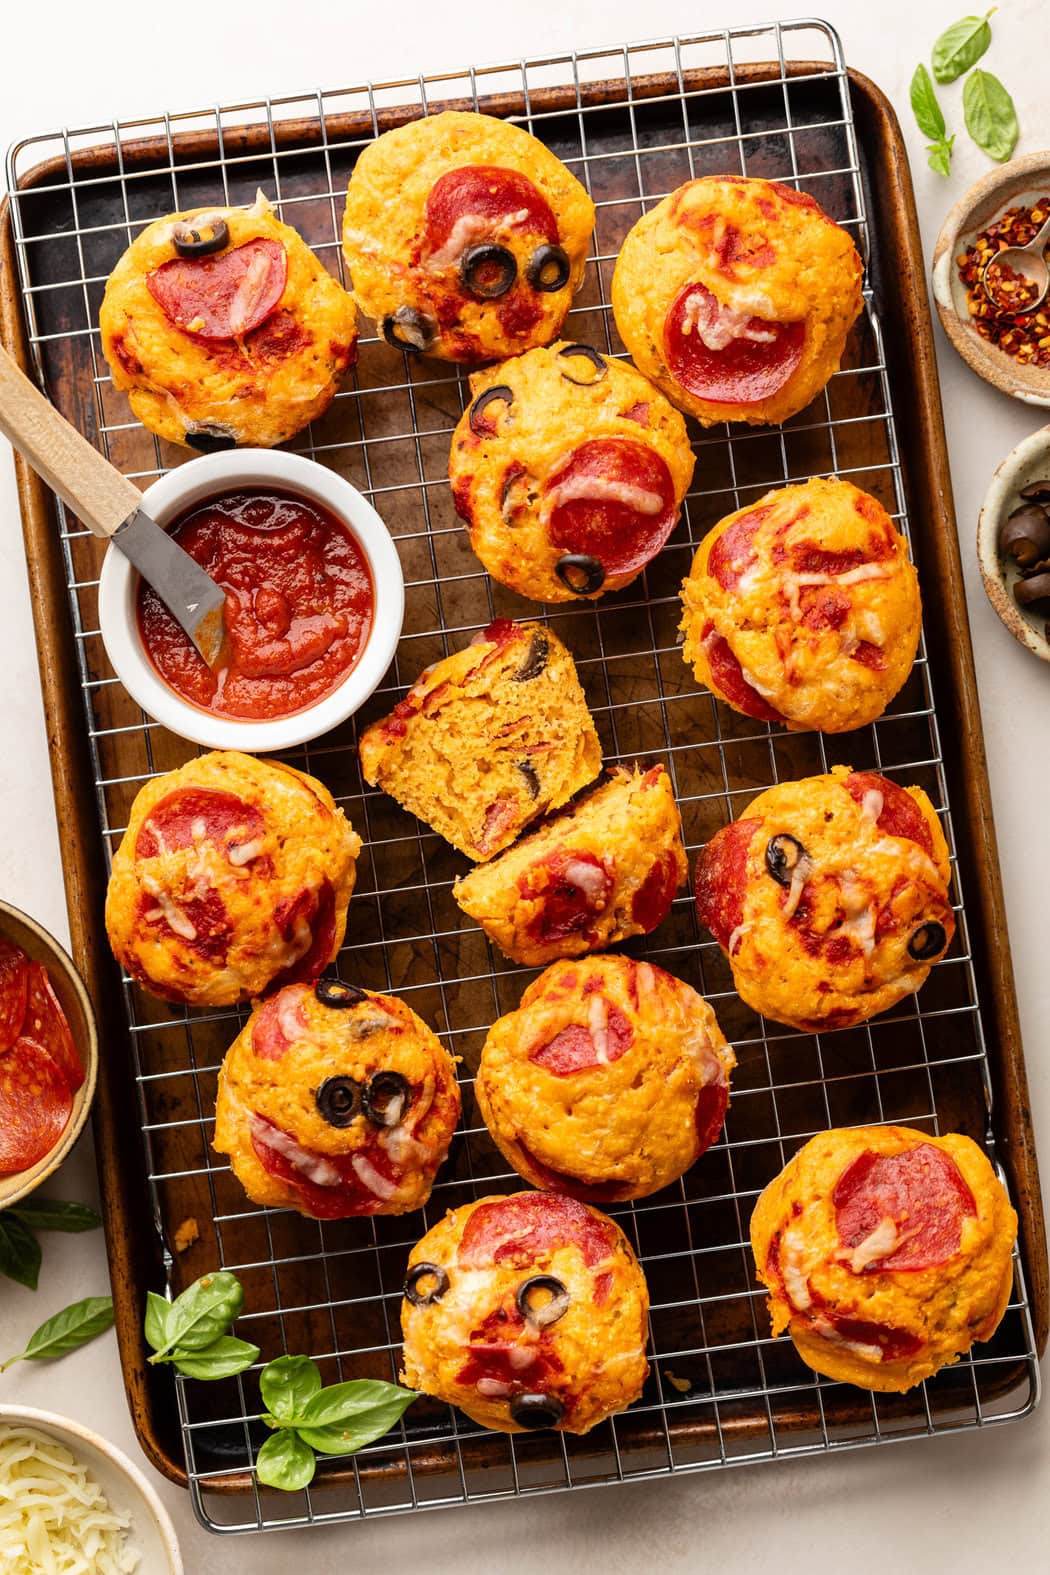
x=189 y=594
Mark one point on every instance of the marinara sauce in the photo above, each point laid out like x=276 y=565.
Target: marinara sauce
x=299 y=605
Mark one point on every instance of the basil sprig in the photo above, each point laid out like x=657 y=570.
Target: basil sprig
x=20 y=1253
x=68 y=1330
x=191 y=1332
x=309 y=1418
x=961 y=46
x=990 y=116
x=930 y=119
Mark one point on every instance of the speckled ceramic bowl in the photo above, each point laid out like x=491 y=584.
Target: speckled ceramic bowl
x=1029 y=461
x=1023 y=180
x=67 y=984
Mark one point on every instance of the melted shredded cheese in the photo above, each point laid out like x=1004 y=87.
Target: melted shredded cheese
x=606 y=489
x=249 y=293
x=859 y=922
x=793 y=583
x=54 y=1517
x=591 y=879
x=791 y=1271
x=717 y=326
x=166 y=909
x=799 y=876
x=313 y=1166
x=245 y=852
x=369 y=1177
x=468 y=229
x=871 y=805
x=598 y=1023
x=875 y=1246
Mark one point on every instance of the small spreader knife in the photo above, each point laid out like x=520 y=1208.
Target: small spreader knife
x=110 y=506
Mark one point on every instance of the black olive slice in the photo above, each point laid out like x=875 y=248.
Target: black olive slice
x=339 y=1101
x=190 y=242
x=927 y=941
x=535 y=659
x=510 y=480
x=209 y=437
x=425 y=1271
x=488 y=271
x=386 y=1097
x=532 y=781
x=501 y=391
x=548 y=269
x=588 y=353
x=1037 y=491
x=783 y=855
x=542 y=1300
x=407 y=329
x=535 y=1411
x=573 y=565
x=333 y=992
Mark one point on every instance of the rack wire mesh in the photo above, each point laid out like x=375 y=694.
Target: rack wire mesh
x=632 y=123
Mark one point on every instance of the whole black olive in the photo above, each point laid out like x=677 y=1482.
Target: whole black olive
x=339 y=1101
x=927 y=941
x=548 y=269
x=209 y=437
x=535 y=659
x=1025 y=535
x=1036 y=491
x=386 y=1097
x=333 y=992
x=588 y=353
x=574 y=564
x=407 y=329
x=425 y=1271
x=501 y=391
x=1033 y=594
x=784 y=853
x=542 y=1300
x=535 y=1411
x=488 y=271
x=532 y=781
x=190 y=242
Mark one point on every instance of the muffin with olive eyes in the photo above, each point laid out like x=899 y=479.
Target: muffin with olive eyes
x=223 y=328
x=465 y=237
x=569 y=469
x=886 y=1253
x=487 y=740
x=336 y=1102
x=526 y=1312
x=829 y=897
x=804 y=608
x=735 y=296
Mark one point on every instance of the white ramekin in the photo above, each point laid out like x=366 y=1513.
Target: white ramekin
x=190 y=484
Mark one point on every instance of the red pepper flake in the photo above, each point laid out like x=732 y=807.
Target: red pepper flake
x=1005 y=323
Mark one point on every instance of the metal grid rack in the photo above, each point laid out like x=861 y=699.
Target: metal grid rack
x=632 y=123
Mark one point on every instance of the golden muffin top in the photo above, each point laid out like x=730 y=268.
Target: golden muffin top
x=804 y=608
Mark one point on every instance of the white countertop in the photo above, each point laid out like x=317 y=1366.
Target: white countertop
x=960 y=1503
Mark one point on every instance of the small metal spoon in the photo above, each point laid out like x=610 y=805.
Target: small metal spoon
x=1029 y=261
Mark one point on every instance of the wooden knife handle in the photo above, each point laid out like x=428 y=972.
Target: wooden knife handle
x=87 y=483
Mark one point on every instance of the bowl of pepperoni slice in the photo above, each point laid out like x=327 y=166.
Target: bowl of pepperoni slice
x=48 y=1054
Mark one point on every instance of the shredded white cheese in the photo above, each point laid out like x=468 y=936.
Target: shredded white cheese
x=799 y=876
x=469 y=228
x=369 y=1177
x=54 y=1517
x=790 y=1263
x=166 y=909
x=249 y=294
x=606 y=489
x=877 y=1245
x=598 y=1023
x=717 y=325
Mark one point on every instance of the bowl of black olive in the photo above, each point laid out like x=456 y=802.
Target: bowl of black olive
x=1013 y=542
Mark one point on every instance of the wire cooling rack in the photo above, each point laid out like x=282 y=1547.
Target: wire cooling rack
x=632 y=123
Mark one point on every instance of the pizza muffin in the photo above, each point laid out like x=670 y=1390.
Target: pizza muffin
x=886 y=1253
x=465 y=237
x=603 y=869
x=829 y=896
x=608 y=1082
x=233 y=876
x=336 y=1102
x=527 y=1311
x=735 y=296
x=222 y=327
x=488 y=739
x=804 y=608
x=569 y=469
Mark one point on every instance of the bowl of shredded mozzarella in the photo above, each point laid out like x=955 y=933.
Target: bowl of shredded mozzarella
x=72 y=1504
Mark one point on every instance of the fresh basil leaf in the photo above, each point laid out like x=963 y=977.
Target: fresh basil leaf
x=287 y=1385
x=939 y=156
x=224 y=1358
x=285 y=1462
x=990 y=116
x=345 y=1417
x=925 y=107
x=156 y=1326
x=203 y=1312
x=54 y=1214
x=67 y=1330
x=961 y=46
x=19 y=1252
